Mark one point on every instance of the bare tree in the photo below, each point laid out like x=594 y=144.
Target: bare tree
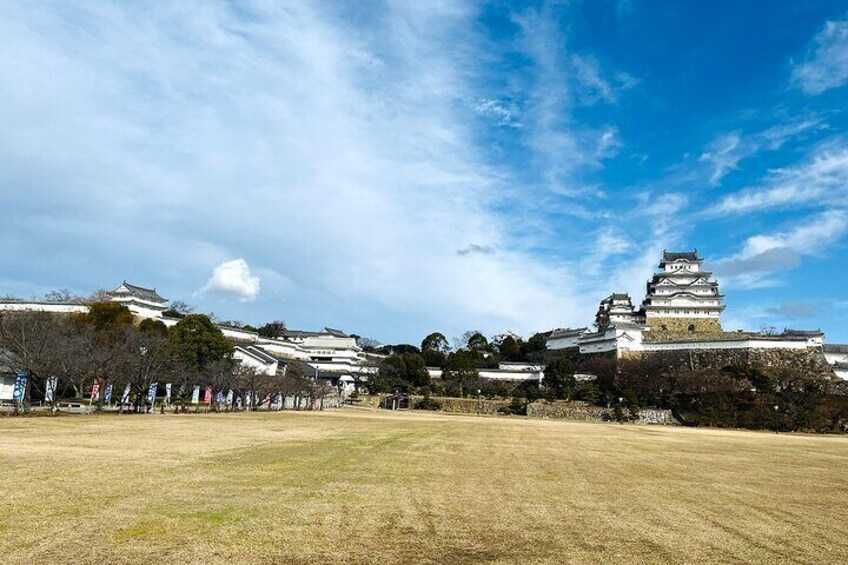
x=62 y=295
x=29 y=345
x=100 y=295
x=255 y=385
x=294 y=384
x=147 y=358
x=220 y=375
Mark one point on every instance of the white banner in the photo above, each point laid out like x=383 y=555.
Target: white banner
x=107 y=396
x=50 y=390
x=195 y=395
x=125 y=398
x=151 y=393
x=230 y=398
x=168 y=393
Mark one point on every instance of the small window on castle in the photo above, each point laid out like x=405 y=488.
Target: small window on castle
x=691 y=328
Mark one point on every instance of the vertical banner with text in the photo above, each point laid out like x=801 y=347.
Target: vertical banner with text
x=50 y=390
x=151 y=393
x=20 y=387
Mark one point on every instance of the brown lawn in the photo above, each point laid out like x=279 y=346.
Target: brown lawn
x=373 y=487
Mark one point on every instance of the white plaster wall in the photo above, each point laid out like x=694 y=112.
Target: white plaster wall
x=562 y=342
x=235 y=333
x=510 y=375
x=43 y=307
x=726 y=344
x=836 y=357
x=252 y=362
x=282 y=348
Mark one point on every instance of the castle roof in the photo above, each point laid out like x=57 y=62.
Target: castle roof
x=835 y=348
x=139 y=292
x=567 y=332
x=671 y=256
x=803 y=333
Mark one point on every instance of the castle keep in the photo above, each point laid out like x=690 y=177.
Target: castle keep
x=681 y=299
x=681 y=315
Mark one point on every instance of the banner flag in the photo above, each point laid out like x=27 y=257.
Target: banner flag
x=168 y=393
x=219 y=397
x=151 y=393
x=50 y=390
x=107 y=396
x=20 y=387
x=125 y=398
x=207 y=396
x=230 y=398
x=195 y=395
x=278 y=398
x=95 y=390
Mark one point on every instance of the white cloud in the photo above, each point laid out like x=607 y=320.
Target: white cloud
x=664 y=204
x=281 y=131
x=826 y=66
x=592 y=85
x=811 y=238
x=723 y=156
x=496 y=111
x=727 y=150
x=764 y=255
x=820 y=181
x=233 y=277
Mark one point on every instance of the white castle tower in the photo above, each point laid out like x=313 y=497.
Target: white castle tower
x=682 y=299
x=616 y=309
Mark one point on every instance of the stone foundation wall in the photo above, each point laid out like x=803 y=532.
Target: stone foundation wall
x=809 y=361
x=665 y=329
x=468 y=405
x=580 y=411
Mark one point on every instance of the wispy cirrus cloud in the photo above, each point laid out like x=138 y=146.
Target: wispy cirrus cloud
x=726 y=152
x=593 y=85
x=826 y=65
x=821 y=180
x=342 y=157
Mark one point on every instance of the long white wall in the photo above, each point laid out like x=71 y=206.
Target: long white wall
x=56 y=307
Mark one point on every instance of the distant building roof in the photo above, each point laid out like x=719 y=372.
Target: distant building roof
x=261 y=354
x=567 y=332
x=803 y=333
x=334 y=332
x=835 y=348
x=139 y=292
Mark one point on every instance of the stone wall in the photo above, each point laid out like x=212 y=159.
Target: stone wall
x=663 y=329
x=581 y=411
x=470 y=405
x=810 y=361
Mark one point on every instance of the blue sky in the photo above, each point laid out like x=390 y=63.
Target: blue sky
x=396 y=168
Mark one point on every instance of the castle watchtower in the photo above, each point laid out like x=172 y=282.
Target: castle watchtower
x=616 y=309
x=682 y=299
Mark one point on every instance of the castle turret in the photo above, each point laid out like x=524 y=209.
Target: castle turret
x=616 y=309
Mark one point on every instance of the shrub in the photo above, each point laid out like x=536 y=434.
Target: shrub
x=427 y=403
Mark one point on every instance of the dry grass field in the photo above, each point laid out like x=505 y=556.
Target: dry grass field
x=369 y=487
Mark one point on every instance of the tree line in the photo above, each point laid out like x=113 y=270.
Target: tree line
x=98 y=355
x=735 y=395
